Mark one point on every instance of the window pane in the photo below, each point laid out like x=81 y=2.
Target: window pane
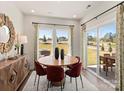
x=107 y=37
x=92 y=49
x=62 y=35
x=107 y=43
x=45 y=41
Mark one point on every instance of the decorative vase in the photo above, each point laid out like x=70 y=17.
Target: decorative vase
x=22 y=49
x=62 y=54
x=56 y=53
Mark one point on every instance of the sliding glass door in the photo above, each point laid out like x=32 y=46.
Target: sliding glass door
x=107 y=47
x=101 y=42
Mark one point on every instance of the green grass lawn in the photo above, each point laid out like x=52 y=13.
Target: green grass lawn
x=91 y=52
x=92 y=56
x=48 y=46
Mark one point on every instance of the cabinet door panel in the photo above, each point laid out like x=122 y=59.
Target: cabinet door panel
x=12 y=75
x=4 y=78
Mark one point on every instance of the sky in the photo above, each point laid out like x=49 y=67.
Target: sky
x=48 y=33
x=111 y=27
x=103 y=30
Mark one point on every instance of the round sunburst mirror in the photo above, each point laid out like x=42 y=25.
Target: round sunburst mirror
x=7 y=34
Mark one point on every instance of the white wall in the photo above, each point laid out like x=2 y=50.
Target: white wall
x=15 y=16
x=29 y=31
x=98 y=9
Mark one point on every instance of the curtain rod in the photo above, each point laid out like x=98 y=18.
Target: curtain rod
x=51 y=24
x=102 y=13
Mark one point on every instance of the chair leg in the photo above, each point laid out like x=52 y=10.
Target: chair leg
x=106 y=69
x=81 y=81
x=76 y=84
x=61 y=85
x=111 y=69
x=64 y=82
x=70 y=79
x=48 y=85
x=35 y=79
x=100 y=68
x=38 y=82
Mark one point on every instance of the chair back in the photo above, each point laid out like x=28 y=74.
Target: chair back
x=76 y=70
x=78 y=58
x=101 y=58
x=109 y=62
x=106 y=55
x=55 y=73
x=39 y=69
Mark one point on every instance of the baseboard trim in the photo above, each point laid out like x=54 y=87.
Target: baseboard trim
x=20 y=87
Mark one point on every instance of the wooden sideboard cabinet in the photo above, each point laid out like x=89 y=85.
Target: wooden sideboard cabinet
x=13 y=73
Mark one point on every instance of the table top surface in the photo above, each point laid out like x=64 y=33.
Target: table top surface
x=6 y=63
x=108 y=59
x=51 y=61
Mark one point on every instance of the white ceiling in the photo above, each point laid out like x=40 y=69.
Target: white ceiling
x=62 y=9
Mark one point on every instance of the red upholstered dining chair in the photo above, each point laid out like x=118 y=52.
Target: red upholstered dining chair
x=71 y=66
x=40 y=71
x=55 y=74
x=75 y=72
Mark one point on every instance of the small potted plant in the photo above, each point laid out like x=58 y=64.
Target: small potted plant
x=17 y=48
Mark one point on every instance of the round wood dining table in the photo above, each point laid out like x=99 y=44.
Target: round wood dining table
x=51 y=61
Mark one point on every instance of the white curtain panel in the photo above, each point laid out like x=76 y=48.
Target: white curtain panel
x=72 y=29
x=83 y=41
x=35 y=41
x=120 y=47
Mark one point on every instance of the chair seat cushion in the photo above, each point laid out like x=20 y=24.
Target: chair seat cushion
x=43 y=72
x=75 y=71
x=68 y=72
x=56 y=79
